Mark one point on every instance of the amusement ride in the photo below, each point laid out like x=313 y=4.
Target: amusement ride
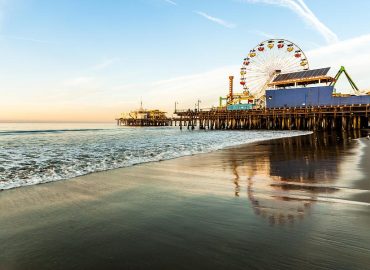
x=268 y=59
x=264 y=63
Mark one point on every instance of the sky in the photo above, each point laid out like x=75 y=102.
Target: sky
x=90 y=60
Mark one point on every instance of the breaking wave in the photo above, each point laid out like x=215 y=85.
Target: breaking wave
x=55 y=154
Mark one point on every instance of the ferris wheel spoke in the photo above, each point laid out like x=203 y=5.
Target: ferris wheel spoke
x=284 y=59
x=264 y=56
x=256 y=78
x=263 y=78
x=255 y=83
x=291 y=67
x=256 y=66
x=292 y=64
x=261 y=74
x=255 y=72
x=258 y=62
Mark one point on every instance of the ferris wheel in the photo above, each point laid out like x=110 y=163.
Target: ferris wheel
x=266 y=60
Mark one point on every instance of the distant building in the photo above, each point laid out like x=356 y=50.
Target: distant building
x=147 y=114
x=144 y=117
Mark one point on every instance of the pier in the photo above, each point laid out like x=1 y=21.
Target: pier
x=323 y=118
x=301 y=100
x=143 y=117
x=279 y=92
x=144 y=122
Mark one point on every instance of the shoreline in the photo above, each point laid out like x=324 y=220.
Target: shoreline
x=361 y=184
x=155 y=161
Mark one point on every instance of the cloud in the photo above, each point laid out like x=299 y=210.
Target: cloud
x=263 y=34
x=106 y=63
x=207 y=86
x=215 y=20
x=79 y=82
x=171 y=2
x=352 y=53
x=302 y=10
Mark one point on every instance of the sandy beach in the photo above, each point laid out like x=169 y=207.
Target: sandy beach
x=293 y=203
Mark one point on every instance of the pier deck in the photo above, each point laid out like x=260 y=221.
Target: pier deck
x=300 y=118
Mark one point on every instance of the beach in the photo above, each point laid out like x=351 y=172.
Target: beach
x=290 y=203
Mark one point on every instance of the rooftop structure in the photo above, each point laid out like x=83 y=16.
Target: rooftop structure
x=306 y=77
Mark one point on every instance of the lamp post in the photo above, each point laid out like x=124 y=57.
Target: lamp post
x=199 y=101
x=175 y=106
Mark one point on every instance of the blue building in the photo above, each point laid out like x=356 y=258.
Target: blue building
x=310 y=97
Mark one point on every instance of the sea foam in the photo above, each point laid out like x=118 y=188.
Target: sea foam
x=29 y=157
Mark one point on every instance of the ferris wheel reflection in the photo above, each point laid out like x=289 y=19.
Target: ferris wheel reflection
x=284 y=179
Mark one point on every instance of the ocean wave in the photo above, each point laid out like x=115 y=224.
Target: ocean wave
x=62 y=155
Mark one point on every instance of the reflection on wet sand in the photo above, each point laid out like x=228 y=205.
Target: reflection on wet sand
x=284 y=179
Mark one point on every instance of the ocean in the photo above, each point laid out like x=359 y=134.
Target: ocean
x=35 y=153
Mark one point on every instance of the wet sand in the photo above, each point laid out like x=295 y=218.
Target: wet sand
x=295 y=203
